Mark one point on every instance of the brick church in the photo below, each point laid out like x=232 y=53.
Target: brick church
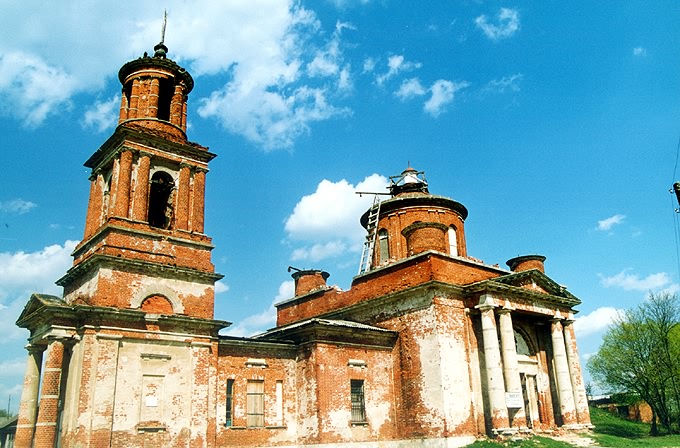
x=429 y=347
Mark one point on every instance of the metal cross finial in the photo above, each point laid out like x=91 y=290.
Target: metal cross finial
x=165 y=21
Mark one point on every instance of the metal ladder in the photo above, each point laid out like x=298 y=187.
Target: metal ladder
x=371 y=228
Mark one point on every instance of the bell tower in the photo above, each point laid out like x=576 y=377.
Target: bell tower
x=144 y=245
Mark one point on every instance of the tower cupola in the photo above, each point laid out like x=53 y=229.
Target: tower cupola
x=409 y=181
x=412 y=221
x=155 y=92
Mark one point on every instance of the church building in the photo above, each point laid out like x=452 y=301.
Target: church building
x=429 y=347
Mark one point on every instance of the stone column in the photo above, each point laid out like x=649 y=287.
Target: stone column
x=494 y=371
x=562 y=376
x=513 y=383
x=197 y=215
x=48 y=412
x=123 y=185
x=580 y=397
x=28 y=408
x=140 y=203
x=183 y=191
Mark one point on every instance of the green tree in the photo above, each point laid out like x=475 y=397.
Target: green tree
x=640 y=354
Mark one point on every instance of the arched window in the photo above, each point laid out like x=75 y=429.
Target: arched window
x=383 y=246
x=160 y=200
x=522 y=346
x=453 y=241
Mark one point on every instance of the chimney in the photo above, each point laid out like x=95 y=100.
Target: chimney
x=526 y=262
x=309 y=280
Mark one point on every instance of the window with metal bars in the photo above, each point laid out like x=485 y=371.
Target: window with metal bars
x=230 y=402
x=358 y=403
x=255 y=404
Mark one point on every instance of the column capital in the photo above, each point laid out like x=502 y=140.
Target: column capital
x=200 y=169
x=504 y=310
x=35 y=348
x=486 y=302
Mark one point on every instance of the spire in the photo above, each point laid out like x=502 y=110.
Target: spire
x=160 y=50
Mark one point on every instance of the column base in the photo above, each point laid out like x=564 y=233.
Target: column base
x=504 y=431
x=577 y=426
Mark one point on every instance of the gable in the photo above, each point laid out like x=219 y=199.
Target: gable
x=37 y=302
x=533 y=281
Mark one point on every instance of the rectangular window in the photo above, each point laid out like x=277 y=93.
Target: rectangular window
x=358 y=404
x=255 y=403
x=230 y=402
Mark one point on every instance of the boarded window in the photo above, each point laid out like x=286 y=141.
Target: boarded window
x=358 y=403
x=384 y=246
x=255 y=403
x=230 y=402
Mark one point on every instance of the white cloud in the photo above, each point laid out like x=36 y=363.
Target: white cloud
x=505 y=84
x=442 y=94
x=633 y=282
x=260 y=322
x=410 y=88
x=23 y=273
x=369 y=65
x=507 y=23
x=639 y=51
x=326 y=222
x=596 y=321
x=221 y=287
x=102 y=116
x=18 y=206
x=263 y=92
x=32 y=89
x=12 y=367
x=26 y=272
x=396 y=64
x=608 y=223
x=319 y=251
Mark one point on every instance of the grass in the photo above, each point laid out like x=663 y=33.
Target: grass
x=610 y=431
x=534 y=442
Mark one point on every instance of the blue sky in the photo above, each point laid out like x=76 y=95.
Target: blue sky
x=555 y=123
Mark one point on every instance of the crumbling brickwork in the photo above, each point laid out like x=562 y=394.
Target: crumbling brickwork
x=429 y=347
